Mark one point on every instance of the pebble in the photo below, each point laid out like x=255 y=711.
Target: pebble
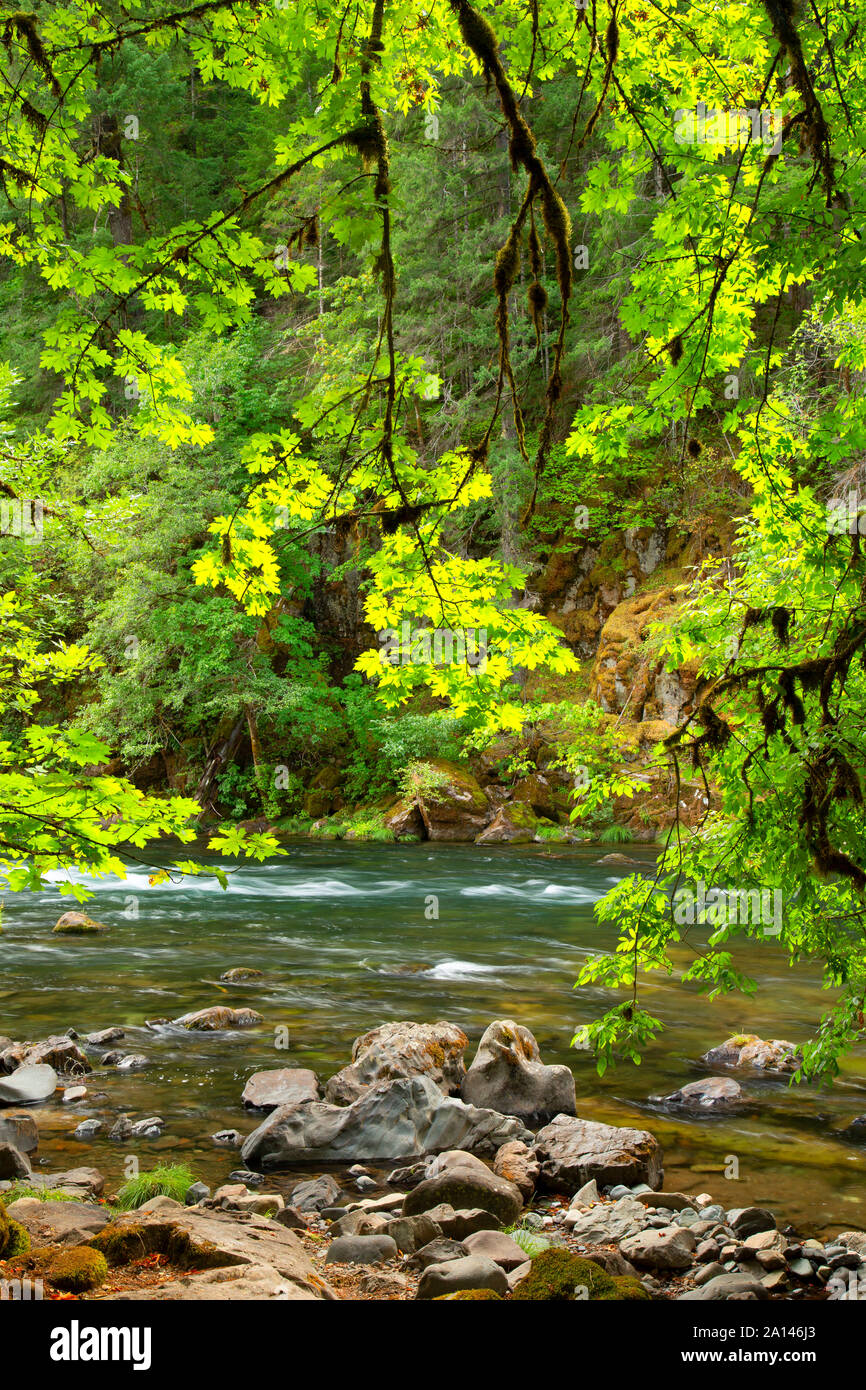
x=74 y=1093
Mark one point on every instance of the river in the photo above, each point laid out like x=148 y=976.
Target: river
x=347 y=938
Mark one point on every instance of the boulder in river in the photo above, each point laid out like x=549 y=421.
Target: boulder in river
x=217 y=1019
x=78 y=924
x=265 y=1090
x=61 y=1053
x=710 y=1093
x=751 y=1053
x=572 y=1151
x=19 y=1128
x=27 y=1085
x=395 y=1051
x=508 y=1075
x=393 y=1120
x=452 y=805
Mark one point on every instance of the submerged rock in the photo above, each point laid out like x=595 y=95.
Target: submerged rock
x=217 y=1019
x=748 y=1051
x=240 y=973
x=19 y=1128
x=396 y=1051
x=394 y=1120
x=710 y=1093
x=78 y=924
x=508 y=1075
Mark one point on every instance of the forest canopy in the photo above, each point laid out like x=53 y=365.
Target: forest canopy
x=395 y=302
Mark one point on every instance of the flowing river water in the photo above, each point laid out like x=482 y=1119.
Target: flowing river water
x=345 y=938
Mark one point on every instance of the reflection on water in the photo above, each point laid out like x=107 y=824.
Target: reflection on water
x=344 y=936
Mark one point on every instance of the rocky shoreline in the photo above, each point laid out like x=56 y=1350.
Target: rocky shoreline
x=499 y=1189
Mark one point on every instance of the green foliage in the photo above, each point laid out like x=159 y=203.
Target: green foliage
x=166 y=1180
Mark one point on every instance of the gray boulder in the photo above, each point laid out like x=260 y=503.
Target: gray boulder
x=27 y=1085
x=508 y=1075
x=572 y=1151
x=315 y=1194
x=393 y=1120
x=472 y=1272
x=750 y=1221
x=723 y=1287
x=461 y=1180
x=437 y=1252
x=498 y=1247
x=361 y=1250
x=411 y=1233
x=457 y=1225
x=671 y=1247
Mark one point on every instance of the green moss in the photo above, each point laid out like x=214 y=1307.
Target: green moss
x=78 y=1269
x=465 y=1295
x=560 y=1277
x=627 y=1290
x=121 y=1244
x=14 y=1239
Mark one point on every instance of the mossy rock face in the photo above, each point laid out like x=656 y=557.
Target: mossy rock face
x=558 y=1276
x=78 y=924
x=14 y=1239
x=123 y=1241
x=122 y=1244
x=78 y=1269
x=470 y=1295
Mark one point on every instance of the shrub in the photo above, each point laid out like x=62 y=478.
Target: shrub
x=167 y=1181
x=78 y=1269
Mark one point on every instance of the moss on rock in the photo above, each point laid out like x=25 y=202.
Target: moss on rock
x=465 y=1295
x=78 y=1269
x=560 y=1277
